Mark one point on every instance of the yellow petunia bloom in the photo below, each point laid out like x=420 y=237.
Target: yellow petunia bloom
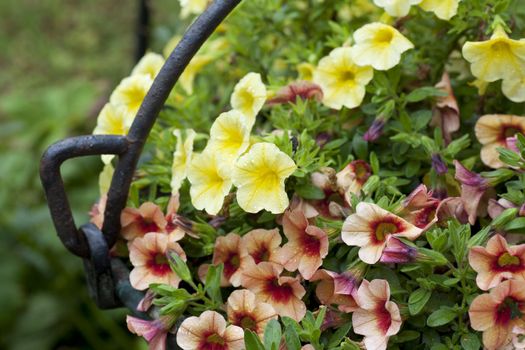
x=113 y=120
x=497 y=58
x=210 y=182
x=396 y=8
x=229 y=136
x=259 y=176
x=249 y=96
x=342 y=81
x=150 y=65
x=443 y=9
x=131 y=92
x=181 y=158
x=379 y=45
x=306 y=71
x=192 y=7
x=514 y=88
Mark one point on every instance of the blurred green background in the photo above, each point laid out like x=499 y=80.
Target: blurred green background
x=59 y=62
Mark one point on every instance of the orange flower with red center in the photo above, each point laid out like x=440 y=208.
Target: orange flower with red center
x=497 y=262
x=337 y=288
x=284 y=293
x=137 y=222
x=377 y=318
x=148 y=257
x=492 y=132
x=352 y=178
x=497 y=313
x=230 y=251
x=261 y=244
x=244 y=311
x=209 y=332
x=307 y=244
x=370 y=228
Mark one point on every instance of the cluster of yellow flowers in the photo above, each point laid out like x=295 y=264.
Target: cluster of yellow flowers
x=257 y=170
x=444 y=9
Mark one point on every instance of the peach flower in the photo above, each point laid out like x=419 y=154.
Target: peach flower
x=137 y=222
x=370 y=228
x=153 y=331
x=497 y=262
x=302 y=89
x=337 y=288
x=261 y=245
x=377 y=318
x=246 y=312
x=307 y=244
x=473 y=189
x=497 y=313
x=284 y=293
x=352 y=178
x=148 y=257
x=446 y=111
x=420 y=208
x=209 y=332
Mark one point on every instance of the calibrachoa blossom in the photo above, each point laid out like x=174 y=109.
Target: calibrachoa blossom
x=181 y=157
x=377 y=318
x=379 y=45
x=497 y=262
x=284 y=293
x=498 y=312
x=307 y=245
x=244 y=311
x=446 y=112
x=514 y=88
x=249 y=96
x=397 y=252
x=338 y=288
x=301 y=89
x=473 y=188
x=492 y=131
x=229 y=136
x=352 y=178
x=443 y=9
x=154 y=331
x=259 y=176
x=420 y=208
x=192 y=7
x=137 y=222
x=209 y=332
x=396 y=8
x=497 y=58
x=148 y=255
x=342 y=81
x=210 y=182
x=230 y=251
x=370 y=228
x=131 y=92
x=150 y=65
x=262 y=245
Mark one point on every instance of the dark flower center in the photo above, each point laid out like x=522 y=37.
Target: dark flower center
x=213 y=342
x=347 y=76
x=158 y=264
x=311 y=245
x=231 y=265
x=279 y=293
x=247 y=322
x=384 y=229
x=148 y=225
x=261 y=255
x=384 y=319
x=508 y=260
x=508 y=310
x=384 y=36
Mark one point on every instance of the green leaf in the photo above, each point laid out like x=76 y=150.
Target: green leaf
x=179 y=266
x=406 y=336
x=309 y=191
x=292 y=339
x=212 y=286
x=338 y=336
x=424 y=93
x=517 y=224
x=470 y=342
x=417 y=300
x=252 y=341
x=272 y=335
x=320 y=317
x=441 y=317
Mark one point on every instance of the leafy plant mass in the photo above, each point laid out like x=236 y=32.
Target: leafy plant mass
x=332 y=175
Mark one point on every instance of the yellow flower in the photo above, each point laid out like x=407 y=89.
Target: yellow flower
x=210 y=182
x=113 y=120
x=192 y=7
x=396 y=8
x=229 y=136
x=379 y=45
x=104 y=179
x=444 y=9
x=249 y=96
x=497 y=58
x=514 y=88
x=342 y=81
x=259 y=176
x=481 y=85
x=306 y=71
x=181 y=158
x=150 y=65
x=131 y=92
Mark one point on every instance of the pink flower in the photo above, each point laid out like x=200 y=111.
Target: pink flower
x=137 y=222
x=209 y=332
x=244 y=311
x=96 y=213
x=498 y=312
x=473 y=188
x=302 y=89
x=397 y=252
x=377 y=318
x=154 y=331
x=497 y=262
x=420 y=208
x=371 y=227
x=262 y=245
x=337 y=288
x=375 y=131
x=284 y=293
x=148 y=256
x=307 y=245
x=352 y=178
x=446 y=112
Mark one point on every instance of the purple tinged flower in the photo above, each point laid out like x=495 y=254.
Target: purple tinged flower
x=512 y=143
x=438 y=164
x=473 y=187
x=397 y=252
x=375 y=131
x=153 y=331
